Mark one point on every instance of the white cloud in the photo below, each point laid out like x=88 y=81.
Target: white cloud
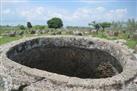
x=26 y=10
x=34 y=13
x=117 y=14
x=101 y=9
x=99 y=14
x=43 y=13
x=6 y=11
x=79 y=15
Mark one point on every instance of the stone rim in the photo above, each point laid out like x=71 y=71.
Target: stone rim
x=128 y=73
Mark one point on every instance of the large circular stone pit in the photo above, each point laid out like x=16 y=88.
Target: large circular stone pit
x=68 y=63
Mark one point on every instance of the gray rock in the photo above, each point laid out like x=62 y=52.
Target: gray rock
x=32 y=32
x=23 y=74
x=121 y=41
x=78 y=33
x=12 y=34
x=134 y=36
x=135 y=49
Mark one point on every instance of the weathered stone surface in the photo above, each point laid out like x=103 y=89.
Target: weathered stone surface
x=136 y=49
x=12 y=34
x=134 y=36
x=78 y=33
x=121 y=41
x=116 y=33
x=110 y=33
x=16 y=76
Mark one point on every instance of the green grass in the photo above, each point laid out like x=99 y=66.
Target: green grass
x=7 y=39
x=131 y=43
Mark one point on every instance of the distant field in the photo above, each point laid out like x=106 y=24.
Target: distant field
x=130 y=42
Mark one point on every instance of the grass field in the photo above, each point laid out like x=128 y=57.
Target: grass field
x=130 y=42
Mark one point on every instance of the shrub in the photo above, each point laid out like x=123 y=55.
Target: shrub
x=55 y=23
x=22 y=27
x=29 y=25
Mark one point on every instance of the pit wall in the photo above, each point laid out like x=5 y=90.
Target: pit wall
x=70 y=61
x=72 y=42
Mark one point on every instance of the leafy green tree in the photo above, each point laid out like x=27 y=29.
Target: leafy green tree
x=117 y=26
x=29 y=25
x=132 y=25
x=22 y=27
x=129 y=26
x=105 y=25
x=55 y=23
x=95 y=25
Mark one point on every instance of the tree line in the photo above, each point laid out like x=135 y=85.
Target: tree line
x=130 y=25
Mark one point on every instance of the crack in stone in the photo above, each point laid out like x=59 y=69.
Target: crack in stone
x=21 y=87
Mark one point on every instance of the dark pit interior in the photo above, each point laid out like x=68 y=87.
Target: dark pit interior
x=69 y=61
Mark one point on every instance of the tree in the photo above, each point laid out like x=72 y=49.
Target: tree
x=105 y=25
x=117 y=26
x=95 y=25
x=132 y=25
x=29 y=25
x=55 y=23
x=22 y=27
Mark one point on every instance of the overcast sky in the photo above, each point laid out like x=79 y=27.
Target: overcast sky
x=72 y=12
